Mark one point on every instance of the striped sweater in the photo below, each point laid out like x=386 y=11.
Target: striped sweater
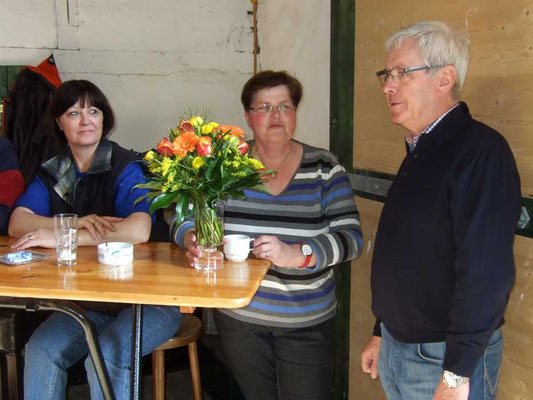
x=317 y=207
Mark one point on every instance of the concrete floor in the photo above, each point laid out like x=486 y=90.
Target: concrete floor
x=179 y=387
x=178 y=378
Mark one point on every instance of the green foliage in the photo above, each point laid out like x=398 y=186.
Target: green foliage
x=199 y=164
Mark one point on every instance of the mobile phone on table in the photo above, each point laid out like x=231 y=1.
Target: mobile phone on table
x=22 y=257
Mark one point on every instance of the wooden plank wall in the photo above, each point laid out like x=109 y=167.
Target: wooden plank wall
x=499 y=92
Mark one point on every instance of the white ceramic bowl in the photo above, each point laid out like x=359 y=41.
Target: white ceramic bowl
x=115 y=253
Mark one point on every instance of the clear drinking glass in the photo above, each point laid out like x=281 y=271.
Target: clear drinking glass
x=66 y=231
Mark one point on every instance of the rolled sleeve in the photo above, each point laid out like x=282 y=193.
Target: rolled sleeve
x=126 y=194
x=36 y=198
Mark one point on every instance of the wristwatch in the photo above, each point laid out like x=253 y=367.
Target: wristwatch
x=453 y=380
x=307 y=252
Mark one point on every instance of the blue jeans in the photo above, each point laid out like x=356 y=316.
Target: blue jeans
x=59 y=342
x=412 y=371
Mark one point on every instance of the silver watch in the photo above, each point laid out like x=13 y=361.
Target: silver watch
x=453 y=380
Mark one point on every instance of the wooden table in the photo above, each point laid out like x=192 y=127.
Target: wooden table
x=160 y=275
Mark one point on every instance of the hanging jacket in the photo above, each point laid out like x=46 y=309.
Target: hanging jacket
x=24 y=109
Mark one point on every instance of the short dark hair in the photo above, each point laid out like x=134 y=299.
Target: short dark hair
x=269 y=79
x=69 y=93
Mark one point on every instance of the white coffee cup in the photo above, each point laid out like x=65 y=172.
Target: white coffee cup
x=237 y=247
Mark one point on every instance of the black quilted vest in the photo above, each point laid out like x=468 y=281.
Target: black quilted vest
x=94 y=192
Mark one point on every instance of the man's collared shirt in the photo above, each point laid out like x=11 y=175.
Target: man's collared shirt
x=411 y=139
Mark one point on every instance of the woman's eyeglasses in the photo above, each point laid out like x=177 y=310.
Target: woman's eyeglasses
x=268 y=108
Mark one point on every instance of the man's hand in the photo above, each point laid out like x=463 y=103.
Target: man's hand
x=370 y=355
x=444 y=392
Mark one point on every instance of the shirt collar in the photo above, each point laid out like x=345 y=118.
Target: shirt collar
x=411 y=139
x=63 y=170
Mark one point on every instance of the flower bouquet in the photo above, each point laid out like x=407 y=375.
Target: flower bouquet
x=199 y=164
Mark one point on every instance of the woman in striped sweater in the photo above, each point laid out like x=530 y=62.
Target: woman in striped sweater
x=281 y=346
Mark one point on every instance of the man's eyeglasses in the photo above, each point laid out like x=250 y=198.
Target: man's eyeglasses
x=398 y=73
x=267 y=108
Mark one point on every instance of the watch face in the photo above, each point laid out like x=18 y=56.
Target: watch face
x=306 y=250
x=452 y=380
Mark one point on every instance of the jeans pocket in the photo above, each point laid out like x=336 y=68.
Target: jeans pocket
x=491 y=368
x=432 y=352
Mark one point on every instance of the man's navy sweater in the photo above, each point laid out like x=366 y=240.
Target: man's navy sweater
x=443 y=264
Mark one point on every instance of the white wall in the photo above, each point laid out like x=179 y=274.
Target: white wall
x=295 y=35
x=159 y=59
x=154 y=59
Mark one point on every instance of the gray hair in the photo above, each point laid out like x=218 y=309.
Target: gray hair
x=438 y=45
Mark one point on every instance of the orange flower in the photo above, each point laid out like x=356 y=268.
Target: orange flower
x=184 y=144
x=232 y=130
x=164 y=147
x=203 y=146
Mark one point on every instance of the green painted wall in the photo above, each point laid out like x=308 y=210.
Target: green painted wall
x=341 y=144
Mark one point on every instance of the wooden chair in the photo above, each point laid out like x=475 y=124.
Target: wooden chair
x=190 y=331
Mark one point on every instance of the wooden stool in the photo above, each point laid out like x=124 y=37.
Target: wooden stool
x=190 y=331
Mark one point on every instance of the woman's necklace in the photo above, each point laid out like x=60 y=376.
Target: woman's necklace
x=275 y=173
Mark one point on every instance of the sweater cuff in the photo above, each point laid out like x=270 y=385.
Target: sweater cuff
x=462 y=359
x=377 y=328
x=178 y=232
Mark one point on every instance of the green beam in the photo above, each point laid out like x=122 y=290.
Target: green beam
x=341 y=144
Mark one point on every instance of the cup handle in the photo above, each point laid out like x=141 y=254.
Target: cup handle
x=251 y=244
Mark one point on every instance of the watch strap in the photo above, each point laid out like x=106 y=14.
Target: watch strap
x=307 y=259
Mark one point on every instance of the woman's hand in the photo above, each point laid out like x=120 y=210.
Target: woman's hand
x=189 y=243
x=98 y=226
x=39 y=238
x=278 y=253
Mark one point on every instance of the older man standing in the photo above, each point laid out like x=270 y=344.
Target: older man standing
x=443 y=265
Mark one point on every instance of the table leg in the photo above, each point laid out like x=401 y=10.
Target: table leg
x=79 y=315
x=136 y=352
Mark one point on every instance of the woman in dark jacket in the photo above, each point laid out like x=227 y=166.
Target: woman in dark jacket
x=94 y=178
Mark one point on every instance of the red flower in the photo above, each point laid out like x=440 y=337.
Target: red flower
x=185 y=126
x=243 y=147
x=164 y=147
x=203 y=146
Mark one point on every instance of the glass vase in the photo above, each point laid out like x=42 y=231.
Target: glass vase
x=209 y=225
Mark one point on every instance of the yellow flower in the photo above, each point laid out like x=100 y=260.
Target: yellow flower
x=165 y=165
x=170 y=177
x=149 y=156
x=233 y=140
x=196 y=121
x=197 y=163
x=154 y=168
x=255 y=164
x=208 y=128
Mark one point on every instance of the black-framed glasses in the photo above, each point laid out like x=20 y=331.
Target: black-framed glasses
x=398 y=73
x=267 y=108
